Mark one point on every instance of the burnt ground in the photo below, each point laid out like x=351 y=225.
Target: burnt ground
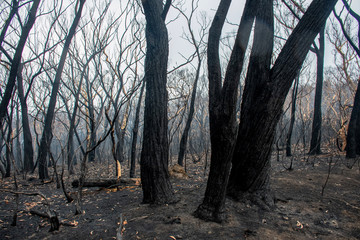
x=301 y=211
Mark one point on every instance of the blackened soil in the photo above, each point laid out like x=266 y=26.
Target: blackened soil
x=310 y=204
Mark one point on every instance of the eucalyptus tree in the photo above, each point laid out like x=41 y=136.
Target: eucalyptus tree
x=264 y=94
x=47 y=131
x=124 y=64
x=198 y=43
x=154 y=159
x=16 y=59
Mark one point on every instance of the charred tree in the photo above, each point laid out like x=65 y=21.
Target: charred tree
x=222 y=102
x=262 y=105
x=155 y=179
x=135 y=133
x=353 y=135
x=17 y=58
x=185 y=134
x=28 y=144
x=47 y=132
x=353 y=132
x=292 y=117
x=315 y=144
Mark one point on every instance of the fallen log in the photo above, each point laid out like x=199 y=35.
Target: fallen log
x=107 y=183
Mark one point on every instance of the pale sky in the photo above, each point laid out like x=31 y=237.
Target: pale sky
x=176 y=28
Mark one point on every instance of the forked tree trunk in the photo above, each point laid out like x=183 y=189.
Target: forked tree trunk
x=254 y=109
x=155 y=179
x=262 y=107
x=28 y=147
x=315 y=144
x=222 y=100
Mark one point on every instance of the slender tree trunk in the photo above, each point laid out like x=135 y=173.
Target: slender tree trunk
x=292 y=118
x=47 y=132
x=13 y=11
x=155 y=179
x=9 y=148
x=315 y=145
x=222 y=102
x=17 y=59
x=121 y=141
x=184 y=137
x=28 y=144
x=262 y=107
x=135 y=133
x=18 y=158
x=92 y=129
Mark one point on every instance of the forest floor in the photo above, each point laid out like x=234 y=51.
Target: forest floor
x=301 y=211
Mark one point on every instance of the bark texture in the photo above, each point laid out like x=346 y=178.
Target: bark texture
x=222 y=102
x=155 y=180
x=262 y=106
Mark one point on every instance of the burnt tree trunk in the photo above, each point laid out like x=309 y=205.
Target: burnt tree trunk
x=13 y=11
x=351 y=143
x=92 y=122
x=155 y=179
x=28 y=145
x=262 y=107
x=315 y=144
x=185 y=135
x=222 y=102
x=254 y=110
x=47 y=132
x=17 y=59
x=135 y=133
x=292 y=117
x=9 y=147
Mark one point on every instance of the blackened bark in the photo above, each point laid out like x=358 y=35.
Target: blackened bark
x=92 y=126
x=135 y=133
x=13 y=11
x=155 y=179
x=254 y=110
x=28 y=145
x=353 y=135
x=121 y=140
x=184 y=137
x=9 y=147
x=71 y=157
x=16 y=60
x=315 y=144
x=222 y=102
x=47 y=132
x=351 y=144
x=292 y=117
x=261 y=112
